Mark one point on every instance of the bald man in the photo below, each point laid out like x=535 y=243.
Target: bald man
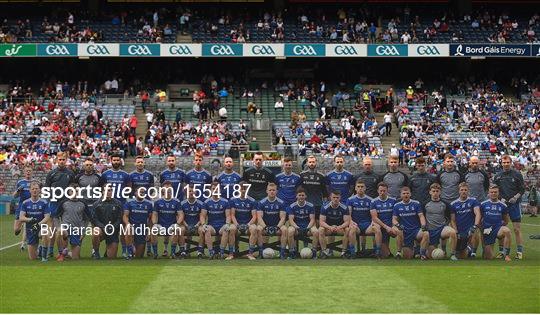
x=477 y=179
x=370 y=178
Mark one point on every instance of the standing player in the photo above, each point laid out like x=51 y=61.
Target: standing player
x=339 y=179
x=314 y=183
x=382 y=209
x=107 y=219
x=302 y=223
x=271 y=217
x=199 y=178
x=495 y=224
x=334 y=220
x=88 y=178
x=22 y=191
x=512 y=187
x=259 y=177
x=465 y=219
x=217 y=213
x=370 y=178
x=60 y=177
x=408 y=217
x=421 y=182
x=74 y=215
x=394 y=178
x=165 y=218
x=287 y=183
x=437 y=217
x=244 y=217
x=191 y=223
x=359 y=207
x=141 y=178
x=34 y=213
x=228 y=178
x=477 y=180
x=136 y=217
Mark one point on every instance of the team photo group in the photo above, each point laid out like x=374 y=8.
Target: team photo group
x=452 y=214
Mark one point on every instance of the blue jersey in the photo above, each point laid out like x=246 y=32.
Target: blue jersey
x=384 y=208
x=141 y=179
x=287 y=185
x=334 y=216
x=301 y=213
x=192 y=211
x=360 y=209
x=167 y=211
x=24 y=186
x=216 y=212
x=340 y=181
x=139 y=211
x=408 y=214
x=243 y=209
x=271 y=210
x=176 y=177
x=199 y=178
x=492 y=213
x=35 y=209
x=464 y=212
x=227 y=182
x=118 y=179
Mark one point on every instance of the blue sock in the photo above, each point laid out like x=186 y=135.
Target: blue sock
x=60 y=250
x=506 y=251
x=211 y=252
x=124 y=248
x=40 y=251
x=520 y=248
x=352 y=250
x=261 y=251
x=154 y=249
x=292 y=251
x=251 y=249
x=231 y=250
x=282 y=251
x=173 y=249
x=200 y=249
x=148 y=247
x=130 y=250
x=500 y=249
x=51 y=249
x=221 y=251
x=422 y=252
x=44 y=252
x=377 y=250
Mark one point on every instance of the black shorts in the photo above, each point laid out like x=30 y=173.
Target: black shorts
x=462 y=243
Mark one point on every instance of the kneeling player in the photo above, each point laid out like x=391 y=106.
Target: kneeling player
x=271 y=217
x=465 y=218
x=34 y=212
x=302 y=223
x=359 y=207
x=136 y=214
x=244 y=217
x=495 y=219
x=165 y=220
x=190 y=223
x=408 y=217
x=217 y=213
x=437 y=213
x=107 y=219
x=382 y=208
x=334 y=220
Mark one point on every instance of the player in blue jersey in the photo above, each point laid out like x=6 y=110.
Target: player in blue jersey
x=165 y=219
x=437 y=213
x=136 y=215
x=287 y=183
x=495 y=220
x=359 y=207
x=199 y=177
x=334 y=220
x=228 y=179
x=35 y=214
x=408 y=217
x=217 y=214
x=141 y=178
x=302 y=223
x=465 y=219
x=339 y=179
x=22 y=192
x=191 y=223
x=381 y=211
x=244 y=216
x=271 y=218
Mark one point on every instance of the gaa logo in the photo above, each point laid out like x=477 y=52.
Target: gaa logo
x=139 y=50
x=425 y=50
x=342 y=50
x=223 y=50
x=60 y=50
x=387 y=51
x=180 y=50
x=304 y=50
x=263 y=50
x=97 y=50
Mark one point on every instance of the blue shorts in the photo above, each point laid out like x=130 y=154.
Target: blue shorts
x=32 y=236
x=489 y=239
x=514 y=211
x=409 y=236
x=53 y=208
x=435 y=235
x=75 y=240
x=139 y=238
x=363 y=226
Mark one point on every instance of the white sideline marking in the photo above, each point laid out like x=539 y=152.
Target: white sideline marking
x=530 y=224
x=10 y=246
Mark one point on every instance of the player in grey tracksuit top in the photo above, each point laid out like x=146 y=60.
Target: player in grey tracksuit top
x=478 y=180
x=394 y=178
x=449 y=178
x=420 y=182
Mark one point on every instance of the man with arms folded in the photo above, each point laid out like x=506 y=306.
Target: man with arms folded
x=465 y=219
x=287 y=183
x=334 y=220
x=421 y=182
x=494 y=224
x=381 y=211
x=394 y=178
x=271 y=217
x=228 y=178
x=244 y=217
x=339 y=179
x=302 y=223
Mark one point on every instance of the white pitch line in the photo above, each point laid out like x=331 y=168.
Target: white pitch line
x=10 y=246
x=530 y=224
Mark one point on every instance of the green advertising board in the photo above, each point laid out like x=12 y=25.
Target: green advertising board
x=18 y=50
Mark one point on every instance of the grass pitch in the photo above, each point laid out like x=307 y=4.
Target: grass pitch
x=268 y=286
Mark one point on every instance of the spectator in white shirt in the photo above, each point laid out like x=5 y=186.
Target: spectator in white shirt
x=279 y=105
